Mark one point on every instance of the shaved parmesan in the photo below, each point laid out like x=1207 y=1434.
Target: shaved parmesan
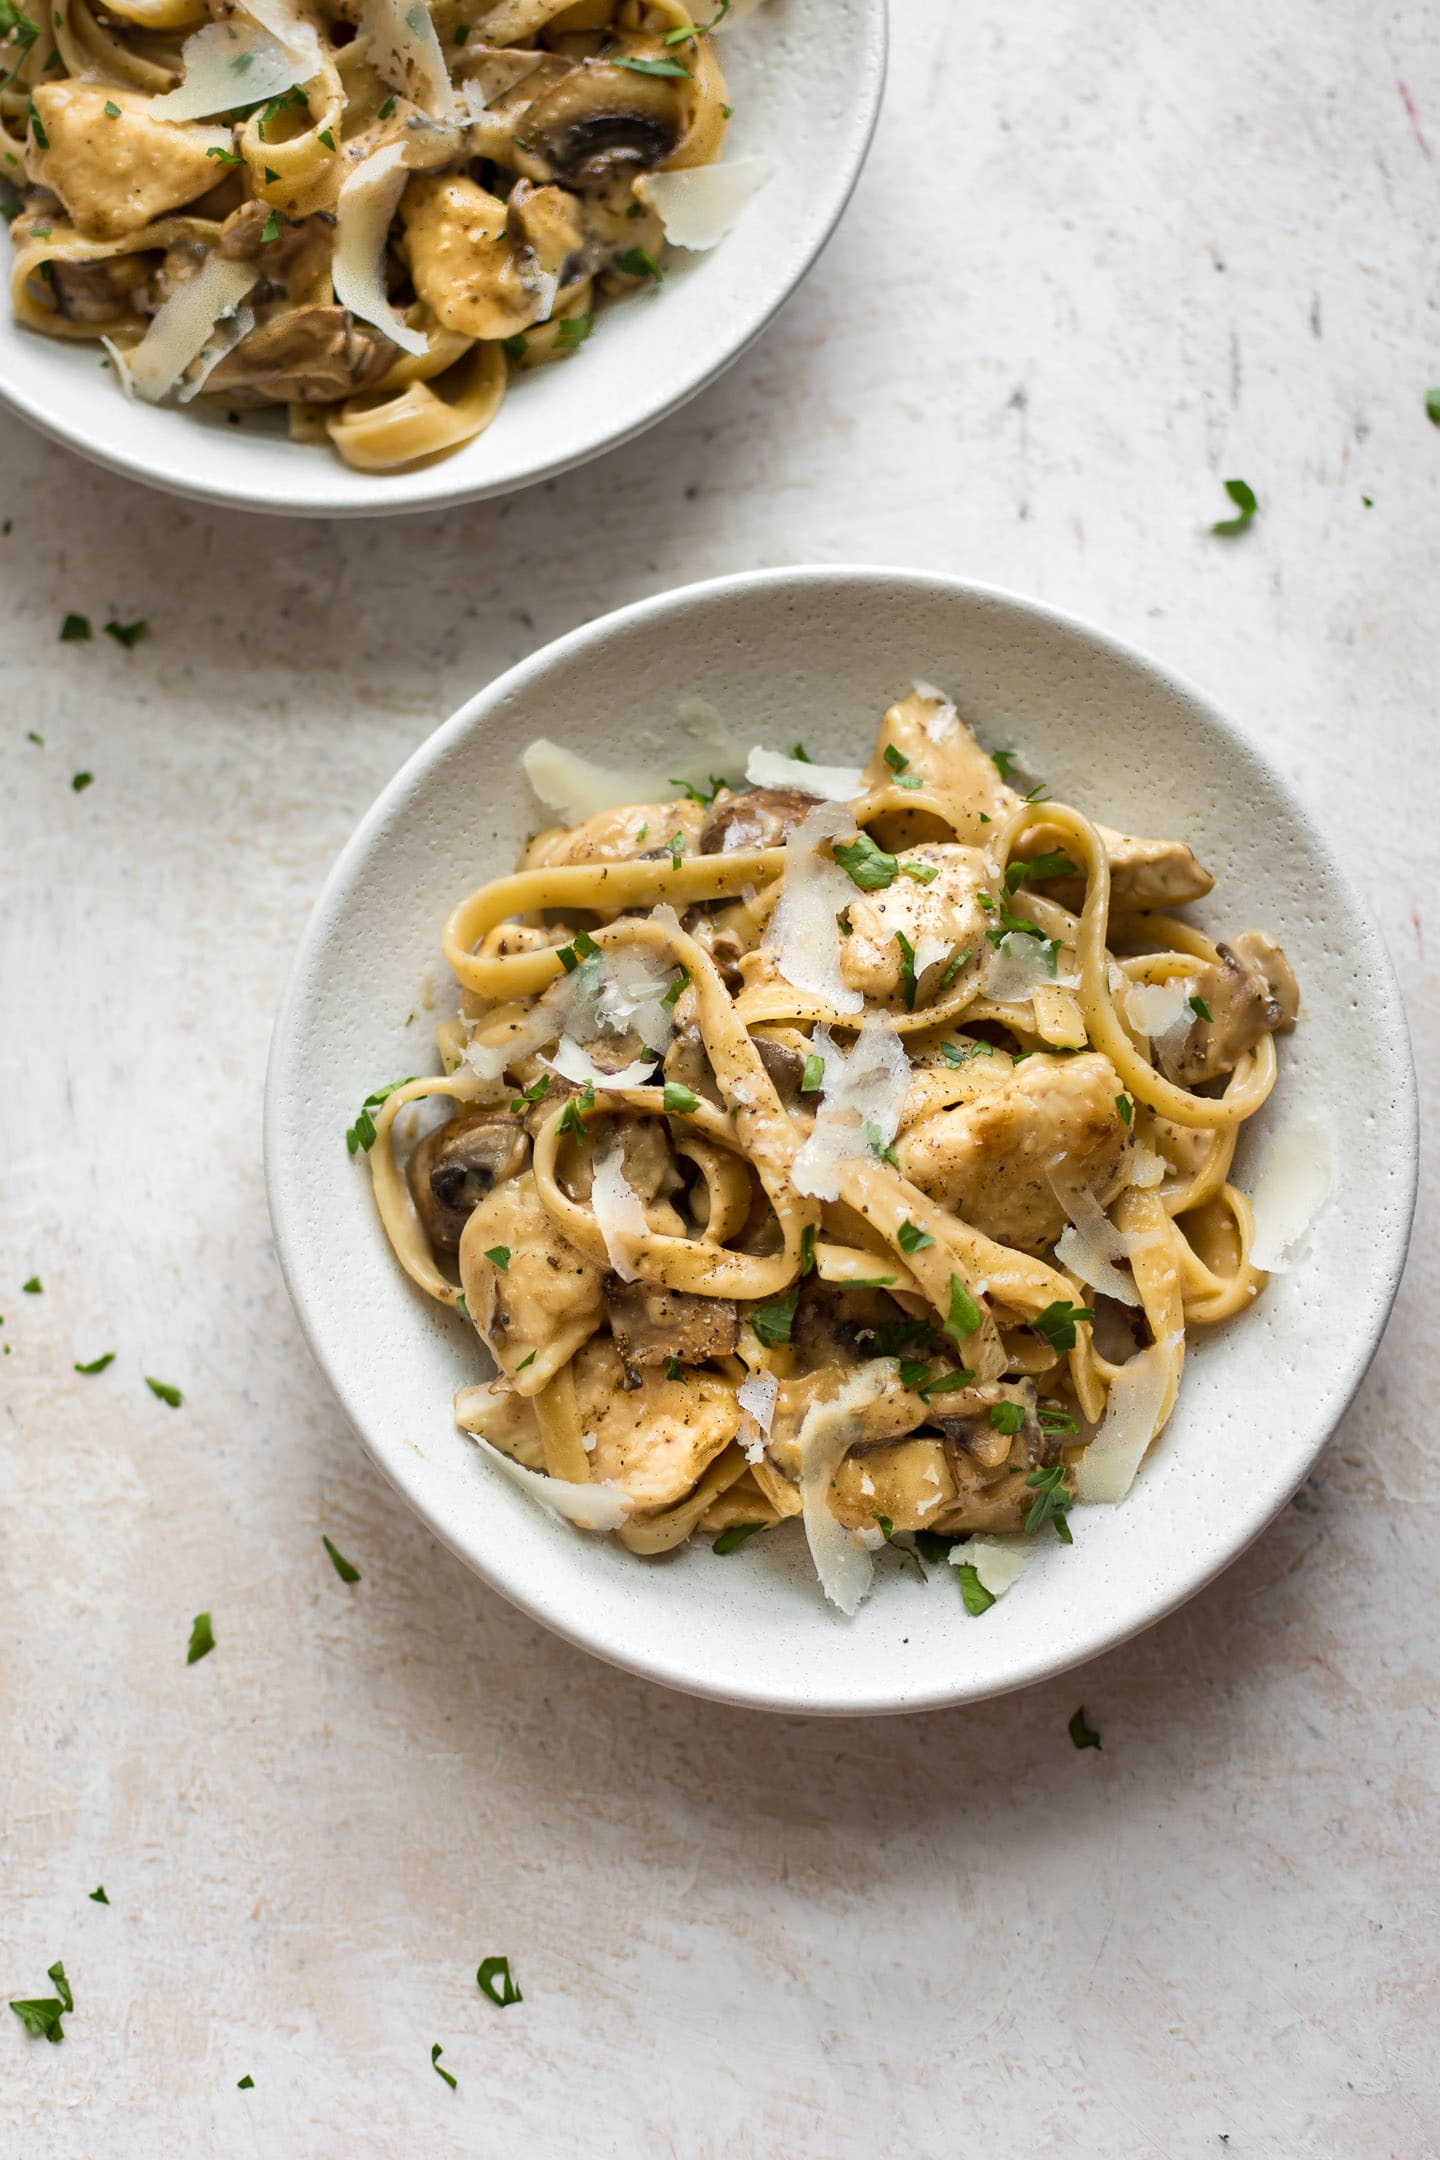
x=700 y=204
x=1019 y=966
x=861 y=1103
x=999 y=1562
x=619 y=1213
x=1074 y=1251
x=843 y=1565
x=404 y=48
x=1147 y=1166
x=803 y=933
x=290 y=30
x=573 y=1062
x=577 y=788
x=929 y=952
x=227 y=64
x=631 y=995
x=1155 y=1008
x=1092 y=1244
x=180 y=329
x=120 y=361
x=223 y=339
x=830 y=783
x=367 y=203
x=943 y=725
x=1106 y=1470
x=601 y=1506
x=1292 y=1185
x=756 y=1397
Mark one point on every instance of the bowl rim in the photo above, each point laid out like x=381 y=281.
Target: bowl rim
x=389 y=498
x=650 y=1660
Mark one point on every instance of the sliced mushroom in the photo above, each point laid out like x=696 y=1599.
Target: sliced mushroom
x=295 y=261
x=99 y=292
x=785 y=1066
x=837 y=1327
x=601 y=123
x=307 y=356
x=966 y=1423
x=486 y=268
x=1249 y=992
x=457 y=1165
x=651 y=1325
x=753 y=818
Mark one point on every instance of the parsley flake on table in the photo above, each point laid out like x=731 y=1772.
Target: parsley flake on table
x=97 y=1364
x=773 y=1322
x=1243 y=496
x=34 y=1287
x=165 y=1392
x=97 y=1895
x=688 y=32
x=245 y=2084
x=440 y=2071
x=75 y=630
x=1432 y=407
x=41 y=2014
x=344 y=1568
x=81 y=780
x=127 y=634
x=1004 y=762
x=1081 y=1731
x=495 y=1983
x=202 y=1639
x=729 y=1540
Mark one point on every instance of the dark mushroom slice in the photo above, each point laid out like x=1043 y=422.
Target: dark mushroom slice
x=785 y=1066
x=295 y=261
x=454 y=1167
x=753 y=818
x=837 y=1326
x=1248 y=992
x=601 y=123
x=306 y=356
x=965 y=1420
x=651 y=1324
x=99 y=292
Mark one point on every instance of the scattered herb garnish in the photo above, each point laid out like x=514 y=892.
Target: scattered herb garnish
x=676 y=845
x=111 y=109
x=583 y=948
x=165 y=1392
x=875 y=1141
x=343 y=1567
x=865 y=864
x=574 y=329
x=245 y=2084
x=500 y=1254
x=961 y=1053
x=964 y=1320
x=525 y=1361
x=1004 y=762
x=812 y=1078
x=1006 y=1417
x=515 y=346
x=1054 y=864
x=494 y=1981
x=907 y=969
x=977 y=1598
x=896 y=761
x=271 y=229
x=798 y=751
x=97 y=1364
x=674 y=1370
x=655 y=67
x=952 y=968
x=1243 y=497
x=698 y=794
x=42 y=140
x=1057 y=1323
x=75 y=630
x=773 y=1322
x=639 y=262
x=225 y=157
x=571 y=1117
x=440 y=2071
x=680 y=1101
x=362 y=1133
x=1432 y=407
x=97 y=1895
x=327 y=138
x=386 y=109
x=1126 y=1109
x=1200 y=1009
x=127 y=634
x=536 y=1092
x=690 y=31
x=1057 y=1421
x=460 y=1304
x=1051 y=1503
x=1081 y=1731
x=41 y=2014
x=946 y=1384
x=202 y=1639
x=736 y=1535
x=912 y=1239
x=81 y=780
x=807 y=1249
x=31 y=736
x=34 y=1287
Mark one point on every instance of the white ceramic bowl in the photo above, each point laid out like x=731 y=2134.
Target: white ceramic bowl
x=818 y=654
x=805 y=77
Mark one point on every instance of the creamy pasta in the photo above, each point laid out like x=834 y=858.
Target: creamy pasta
x=368 y=212
x=851 y=1145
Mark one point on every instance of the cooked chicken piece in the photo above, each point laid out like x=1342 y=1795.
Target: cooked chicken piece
x=297 y=261
x=1250 y=991
x=941 y=749
x=307 y=356
x=639 y=831
x=653 y=1441
x=487 y=268
x=940 y=920
x=114 y=170
x=910 y=1483
x=991 y=1159
x=652 y=1325
x=457 y=1164
x=751 y=818
x=545 y=1301
x=99 y=292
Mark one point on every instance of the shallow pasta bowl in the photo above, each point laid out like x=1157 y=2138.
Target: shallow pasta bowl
x=819 y=654
x=805 y=77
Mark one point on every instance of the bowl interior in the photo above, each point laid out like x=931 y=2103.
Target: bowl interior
x=805 y=78
x=818 y=655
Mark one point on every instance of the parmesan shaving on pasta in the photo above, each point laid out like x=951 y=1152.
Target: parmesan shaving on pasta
x=404 y=48
x=1017 y=967
x=861 y=1103
x=999 y=1562
x=230 y=331
x=619 y=1213
x=803 y=932
x=757 y=1397
x=700 y=204
x=225 y=65
x=1291 y=1186
x=290 y=30
x=943 y=726
x=1147 y=1166
x=601 y=1506
x=181 y=327
x=1106 y=1470
x=1155 y=1008
x=845 y=1568
x=578 y=788
x=573 y=1062
x=367 y=203
x=830 y=783
x=1091 y=1244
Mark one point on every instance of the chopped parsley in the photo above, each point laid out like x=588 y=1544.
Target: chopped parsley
x=912 y=1239
x=225 y=157
x=112 y=110
x=673 y=994
x=674 y=1370
x=327 y=138
x=907 y=969
x=583 y=948
x=1243 y=497
x=1004 y=762
x=574 y=330
x=735 y=1536
x=515 y=347
x=34 y=1287
x=1006 y=1417
x=807 y=1249
x=952 y=968
x=800 y=753
x=127 y=634
x=536 y=1092
x=945 y=1385
x=460 y=1304
x=1051 y=1503
x=1126 y=1109
x=961 y=1053
x=773 y=1322
x=494 y=1982
x=164 y=1392
x=343 y=1567
x=1057 y=1323
x=875 y=1141
x=462 y=33
x=438 y=2067
x=895 y=760
x=97 y=1364
x=202 y=1639
x=655 y=67
x=1057 y=1421
x=500 y=1254
x=42 y=140
x=525 y=1361
x=676 y=845
x=31 y=736
x=869 y=1282
x=271 y=176
x=75 y=629
x=272 y=228
x=41 y=2014
x=690 y=31
x=865 y=864
x=1054 y=864
x=680 y=1101
x=1432 y=407
x=964 y=1320
x=698 y=794
x=572 y=1119
x=638 y=261
x=977 y=1598
x=1081 y=1731
x=245 y=2084
x=914 y=1372
x=81 y=780
x=1200 y=1009
x=812 y=1079
x=386 y=109
x=362 y=1133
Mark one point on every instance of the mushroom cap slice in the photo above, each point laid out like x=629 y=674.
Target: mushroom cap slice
x=602 y=123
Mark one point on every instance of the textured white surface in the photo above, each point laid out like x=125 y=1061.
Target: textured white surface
x=737 y=1936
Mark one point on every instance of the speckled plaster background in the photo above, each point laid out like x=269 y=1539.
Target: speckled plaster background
x=1101 y=259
